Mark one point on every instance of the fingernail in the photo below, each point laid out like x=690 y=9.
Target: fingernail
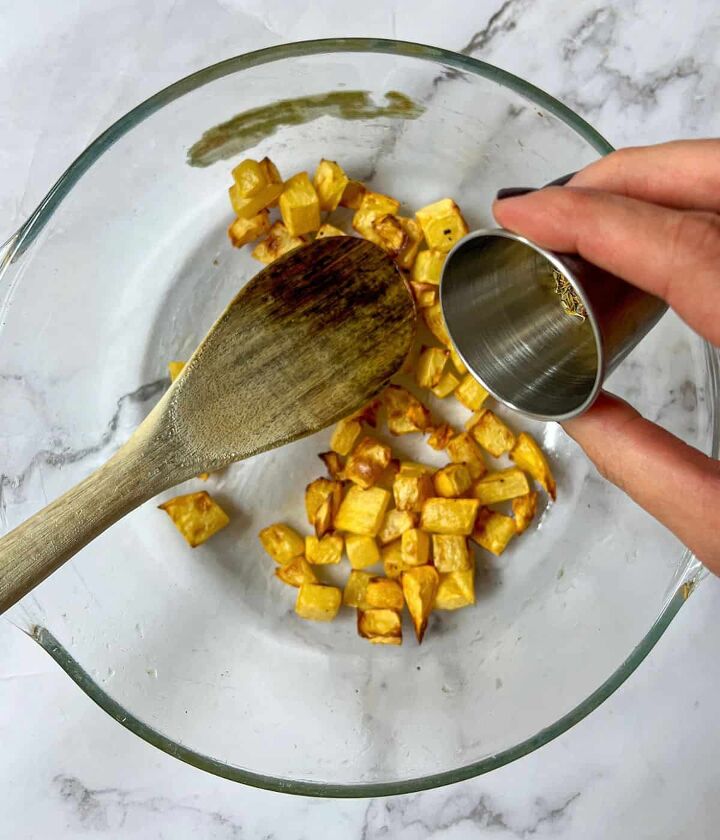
x=511 y=192
x=561 y=181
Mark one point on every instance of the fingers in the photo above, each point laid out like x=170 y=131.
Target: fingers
x=674 y=482
x=670 y=253
x=684 y=174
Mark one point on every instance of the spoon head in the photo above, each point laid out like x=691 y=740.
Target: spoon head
x=307 y=341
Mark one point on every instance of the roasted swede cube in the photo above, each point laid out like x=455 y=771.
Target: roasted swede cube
x=413 y=239
x=452 y=481
x=353 y=194
x=367 y=462
x=355 y=589
x=420 y=586
x=317 y=602
x=278 y=242
x=381 y=627
x=430 y=366
x=395 y=524
x=442 y=224
x=425 y=294
x=384 y=593
x=471 y=393
x=326 y=230
x=362 y=511
x=325 y=551
x=449 y=516
x=373 y=206
x=500 y=486
x=334 y=465
x=440 y=436
x=296 y=572
x=427 y=267
x=433 y=317
x=456 y=590
x=523 y=508
x=175 y=369
x=447 y=384
x=196 y=515
x=299 y=205
x=392 y=560
x=322 y=500
x=491 y=433
x=329 y=182
x=282 y=542
x=450 y=553
x=362 y=551
x=493 y=530
x=462 y=449
x=242 y=231
x=344 y=435
x=415 y=547
x=246 y=207
x=529 y=457
x=411 y=491
x=458 y=363
x=405 y=412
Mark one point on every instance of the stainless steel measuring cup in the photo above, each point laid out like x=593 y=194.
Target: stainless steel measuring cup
x=512 y=328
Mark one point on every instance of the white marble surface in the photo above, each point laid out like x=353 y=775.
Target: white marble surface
x=642 y=766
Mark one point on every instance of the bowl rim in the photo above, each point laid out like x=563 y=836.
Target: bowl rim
x=690 y=570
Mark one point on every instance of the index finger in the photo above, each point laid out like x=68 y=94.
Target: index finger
x=672 y=254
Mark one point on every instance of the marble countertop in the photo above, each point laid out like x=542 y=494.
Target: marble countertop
x=644 y=765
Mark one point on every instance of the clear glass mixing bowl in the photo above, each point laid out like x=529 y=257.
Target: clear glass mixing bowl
x=125 y=265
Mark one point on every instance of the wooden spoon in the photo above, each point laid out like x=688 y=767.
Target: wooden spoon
x=310 y=339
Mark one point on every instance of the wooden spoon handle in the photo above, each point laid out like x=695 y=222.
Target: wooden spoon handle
x=36 y=548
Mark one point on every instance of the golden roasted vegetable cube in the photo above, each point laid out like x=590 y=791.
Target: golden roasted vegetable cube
x=529 y=457
x=353 y=194
x=449 y=516
x=389 y=233
x=491 y=433
x=277 y=243
x=322 y=500
x=433 y=317
x=326 y=230
x=175 y=369
x=362 y=511
x=329 y=182
x=384 y=593
x=440 y=436
x=270 y=171
x=462 y=449
x=299 y=205
x=249 y=177
x=493 y=530
x=420 y=586
x=450 y=553
x=452 y=481
x=500 y=486
x=367 y=462
x=334 y=465
x=325 y=551
x=355 y=589
x=415 y=468
x=411 y=491
x=344 y=435
x=317 y=602
x=523 y=508
x=413 y=241
x=430 y=366
x=373 y=206
x=428 y=267
x=381 y=627
x=196 y=515
x=447 y=384
x=458 y=363
x=242 y=231
x=369 y=413
x=442 y=223
x=471 y=393
x=415 y=547
x=395 y=524
x=392 y=560
x=425 y=294
x=362 y=551
x=456 y=590
x=246 y=207
x=282 y=542
x=405 y=412
x=296 y=572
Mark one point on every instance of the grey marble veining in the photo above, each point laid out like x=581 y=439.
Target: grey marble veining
x=644 y=765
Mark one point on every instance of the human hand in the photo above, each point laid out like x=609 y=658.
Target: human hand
x=651 y=216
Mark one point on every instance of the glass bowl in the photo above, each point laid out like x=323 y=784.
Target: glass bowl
x=126 y=264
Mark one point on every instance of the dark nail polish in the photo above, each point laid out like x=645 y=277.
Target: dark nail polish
x=511 y=192
x=561 y=181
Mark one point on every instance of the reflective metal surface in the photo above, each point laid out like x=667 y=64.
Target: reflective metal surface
x=503 y=314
